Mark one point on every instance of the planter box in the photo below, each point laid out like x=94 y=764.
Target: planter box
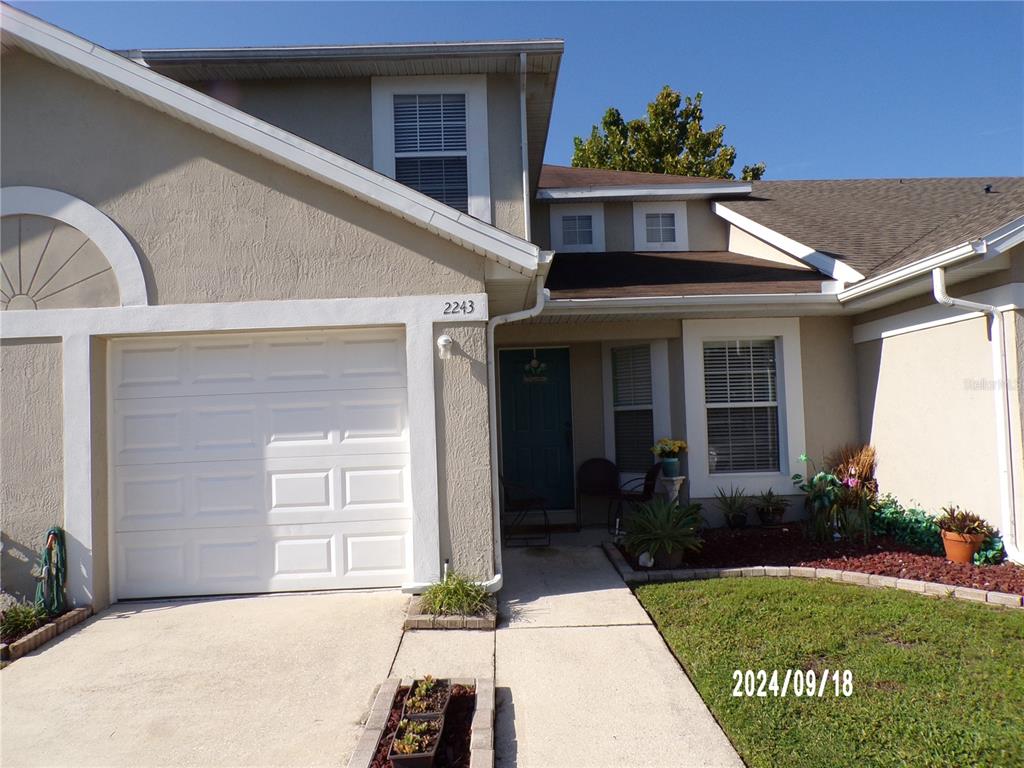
x=429 y=715
x=45 y=633
x=420 y=759
x=416 y=618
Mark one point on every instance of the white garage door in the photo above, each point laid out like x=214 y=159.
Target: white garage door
x=259 y=463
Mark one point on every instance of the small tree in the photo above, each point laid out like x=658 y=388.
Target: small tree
x=670 y=139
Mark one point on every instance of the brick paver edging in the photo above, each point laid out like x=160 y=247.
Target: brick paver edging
x=43 y=634
x=481 y=745
x=631 y=577
x=415 y=618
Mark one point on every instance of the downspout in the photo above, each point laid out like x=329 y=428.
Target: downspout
x=494 y=584
x=1002 y=393
x=524 y=148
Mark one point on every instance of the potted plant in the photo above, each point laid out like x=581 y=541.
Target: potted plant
x=668 y=451
x=734 y=505
x=665 y=531
x=428 y=699
x=963 y=533
x=415 y=743
x=771 y=507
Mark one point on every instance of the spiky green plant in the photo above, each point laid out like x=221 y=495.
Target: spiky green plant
x=455 y=595
x=956 y=520
x=662 y=525
x=20 y=619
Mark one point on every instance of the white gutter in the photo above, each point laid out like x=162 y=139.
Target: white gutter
x=751 y=301
x=524 y=148
x=644 y=192
x=1001 y=390
x=494 y=584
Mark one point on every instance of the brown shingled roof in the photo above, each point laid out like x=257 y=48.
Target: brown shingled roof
x=563 y=177
x=694 y=273
x=878 y=225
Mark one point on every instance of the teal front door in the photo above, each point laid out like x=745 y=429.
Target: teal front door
x=536 y=423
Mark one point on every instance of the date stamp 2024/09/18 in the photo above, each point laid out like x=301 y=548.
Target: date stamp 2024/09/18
x=792 y=682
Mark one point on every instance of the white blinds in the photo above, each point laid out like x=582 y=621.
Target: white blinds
x=442 y=178
x=633 y=405
x=631 y=375
x=430 y=146
x=741 y=396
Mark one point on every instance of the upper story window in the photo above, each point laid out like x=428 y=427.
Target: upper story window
x=660 y=226
x=578 y=230
x=577 y=227
x=430 y=146
x=430 y=133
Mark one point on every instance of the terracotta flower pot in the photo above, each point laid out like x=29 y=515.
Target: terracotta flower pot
x=960 y=547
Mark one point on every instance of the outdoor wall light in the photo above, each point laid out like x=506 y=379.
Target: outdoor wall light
x=444 y=346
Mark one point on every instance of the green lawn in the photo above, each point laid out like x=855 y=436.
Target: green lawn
x=936 y=682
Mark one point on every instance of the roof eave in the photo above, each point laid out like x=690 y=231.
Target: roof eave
x=641 y=192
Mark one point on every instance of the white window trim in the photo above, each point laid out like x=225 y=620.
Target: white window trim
x=478 y=164
x=594 y=210
x=660 y=398
x=789 y=380
x=640 y=211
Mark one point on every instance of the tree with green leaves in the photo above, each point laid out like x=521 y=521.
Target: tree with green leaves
x=670 y=139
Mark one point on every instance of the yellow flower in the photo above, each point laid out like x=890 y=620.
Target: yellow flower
x=666 y=447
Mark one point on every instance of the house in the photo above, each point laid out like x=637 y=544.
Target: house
x=280 y=318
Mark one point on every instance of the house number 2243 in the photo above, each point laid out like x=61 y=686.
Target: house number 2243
x=466 y=307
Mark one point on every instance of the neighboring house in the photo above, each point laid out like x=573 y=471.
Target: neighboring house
x=242 y=353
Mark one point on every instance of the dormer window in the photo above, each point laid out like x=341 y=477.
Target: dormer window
x=577 y=227
x=578 y=230
x=430 y=133
x=430 y=146
x=660 y=226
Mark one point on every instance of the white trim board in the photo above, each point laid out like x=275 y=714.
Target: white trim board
x=1005 y=297
x=678 y=209
x=596 y=213
x=181 y=102
x=641 y=192
x=786 y=331
x=474 y=87
x=832 y=267
x=91 y=222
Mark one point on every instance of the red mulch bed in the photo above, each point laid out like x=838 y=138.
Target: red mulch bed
x=726 y=548
x=453 y=751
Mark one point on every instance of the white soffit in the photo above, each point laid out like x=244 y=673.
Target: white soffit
x=165 y=95
x=832 y=267
x=640 y=192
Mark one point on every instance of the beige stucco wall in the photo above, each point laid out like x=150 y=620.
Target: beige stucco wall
x=828 y=363
x=739 y=241
x=926 y=410
x=618 y=227
x=463 y=451
x=331 y=112
x=100 y=469
x=31 y=457
x=505 y=154
x=705 y=231
x=211 y=221
x=1015 y=321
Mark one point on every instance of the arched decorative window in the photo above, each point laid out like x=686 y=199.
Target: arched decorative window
x=60 y=252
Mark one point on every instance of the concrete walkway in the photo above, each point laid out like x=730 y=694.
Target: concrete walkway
x=280 y=680
x=583 y=677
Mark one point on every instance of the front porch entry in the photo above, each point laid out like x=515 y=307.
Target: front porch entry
x=536 y=423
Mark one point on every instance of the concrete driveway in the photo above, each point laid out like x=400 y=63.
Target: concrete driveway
x=277 y=680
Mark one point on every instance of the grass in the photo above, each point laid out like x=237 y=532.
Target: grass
x=937 y=682
x=456 y=595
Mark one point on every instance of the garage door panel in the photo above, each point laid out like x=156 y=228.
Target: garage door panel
x=271 y=362
x=260 y=462
x=274 y=491
x=262 y=559
x=270 y=425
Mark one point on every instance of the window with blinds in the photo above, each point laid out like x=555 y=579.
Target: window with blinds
x=633 y=406
x=430 y=146
x=578 y=230
x=661 y=227
x=741 y=397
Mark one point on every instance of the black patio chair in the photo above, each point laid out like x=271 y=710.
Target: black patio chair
x=519 y=504
x=596 y=478
x=639 y=490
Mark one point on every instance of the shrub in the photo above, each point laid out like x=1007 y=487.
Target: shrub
x=662 y=525
x=734 y=504
x=456 y=595
x=20 y=619
x=840 y=500
x=912 y=528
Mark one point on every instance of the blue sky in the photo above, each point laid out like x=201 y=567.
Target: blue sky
x=816 y=90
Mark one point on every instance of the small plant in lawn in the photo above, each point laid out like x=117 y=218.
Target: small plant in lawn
x=20 y=619
x=734 y=505
x=455 y=596
x=771 y=507
x=664 y=530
